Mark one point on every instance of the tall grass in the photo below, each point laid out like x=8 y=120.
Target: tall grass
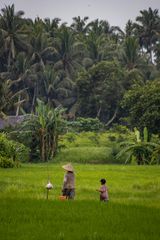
x=84 y=155
x=90 y=147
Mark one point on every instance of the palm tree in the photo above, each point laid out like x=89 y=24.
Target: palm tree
x=140 y=148
x=70 y=52
x=42 y=52
x=99 y=27
x=148 y=27
x=58 y=88
x=79 y=25
x=11 y=97
x=130 y=54
x=3 y=61
x=12 y=31
x=157 y=53
x=129 y=29
x=41 y=42
x=102 y=27
x=135 y=63
x=25 y=75
x=99 y=48
x=93 y=44
x=101 y=40
x=51 y=26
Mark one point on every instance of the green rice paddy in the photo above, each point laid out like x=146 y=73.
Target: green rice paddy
x=132 y=213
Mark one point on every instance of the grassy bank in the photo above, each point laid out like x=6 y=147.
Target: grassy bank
x=84 y=155
x=90 y=147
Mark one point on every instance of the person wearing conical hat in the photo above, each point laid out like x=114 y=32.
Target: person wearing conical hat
x=68 y=188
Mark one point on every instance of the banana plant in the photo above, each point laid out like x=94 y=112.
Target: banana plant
x=140 y=148
x=49 y=123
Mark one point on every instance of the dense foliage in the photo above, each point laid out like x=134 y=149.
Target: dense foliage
x=40 y=131
x=12 y=152
x=140 y=148
x=85 y=124
x=89 y=77
x=86 y=67
x=142 y=104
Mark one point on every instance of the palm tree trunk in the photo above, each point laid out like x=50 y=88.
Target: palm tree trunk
x=18 y=106
x=139 y=160
x=9 y=61
x=151 y=56
x=113 y=117
x=34 y=99
x=150 y=51
x=99 y=111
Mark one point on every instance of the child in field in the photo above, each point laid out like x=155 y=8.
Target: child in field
x=68 y=189
x=103 y=191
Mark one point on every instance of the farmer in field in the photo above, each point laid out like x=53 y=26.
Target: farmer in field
x=68 y=189
x=103 y=191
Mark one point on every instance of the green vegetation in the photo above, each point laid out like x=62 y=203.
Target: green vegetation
x=81 y=90
x=85 y=124
x=142 y=103
x=91 y=147
x=141 y=148
x=116 y=146
x=85 y=155
x=86 y=77
x=132 y=212
x=109 y=147
x=43 y=129
x=101 y=87
x=90 y=69
x=6 y=162
x=12 y=152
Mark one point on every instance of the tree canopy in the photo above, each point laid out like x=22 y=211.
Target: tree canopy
x=87 y=67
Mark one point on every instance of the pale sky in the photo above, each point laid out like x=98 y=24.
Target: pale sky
x=117 y=12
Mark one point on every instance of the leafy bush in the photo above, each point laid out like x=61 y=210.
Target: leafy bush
x=12 y=149
x=6 y=162
x=82 y=139
x=102 y=139
x=120 y=129
x=85 y=124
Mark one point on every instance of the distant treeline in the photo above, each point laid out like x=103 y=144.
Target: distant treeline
x=90 y=68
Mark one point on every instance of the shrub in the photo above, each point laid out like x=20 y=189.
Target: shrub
x=12 y=149
x=81 y=139
x=6 y=162
x=86 y=124
x=120 y=129
x=22 y=152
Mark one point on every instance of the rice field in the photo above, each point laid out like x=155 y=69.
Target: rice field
x=133 y=211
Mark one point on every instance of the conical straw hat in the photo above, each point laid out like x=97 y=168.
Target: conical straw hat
x=68 y=167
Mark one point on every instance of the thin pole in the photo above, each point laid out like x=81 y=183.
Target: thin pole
x=47 y=193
